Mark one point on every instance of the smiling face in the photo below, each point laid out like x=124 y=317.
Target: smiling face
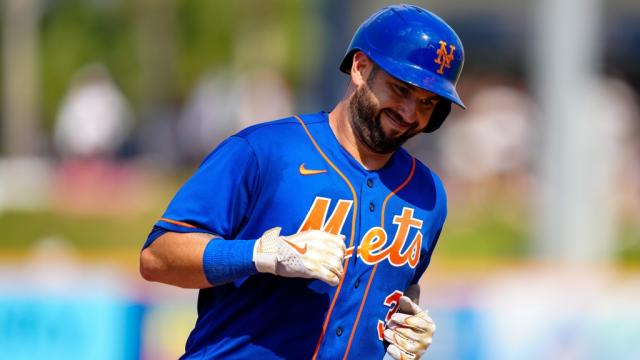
x=386 y=112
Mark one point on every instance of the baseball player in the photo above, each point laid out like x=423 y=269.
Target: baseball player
x=307 y=235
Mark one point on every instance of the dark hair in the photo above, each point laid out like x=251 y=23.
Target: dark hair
x=372 y=74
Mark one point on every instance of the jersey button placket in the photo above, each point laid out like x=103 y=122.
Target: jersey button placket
x=372 y=207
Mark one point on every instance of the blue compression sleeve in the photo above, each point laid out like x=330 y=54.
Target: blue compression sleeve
x=224 y=261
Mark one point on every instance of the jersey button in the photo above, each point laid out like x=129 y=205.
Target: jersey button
x=369 y=183
x=339 y=331
x=357 y=283
x=371 y=207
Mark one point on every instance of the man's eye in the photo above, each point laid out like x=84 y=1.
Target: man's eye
x=400 y=90
x=427 y=102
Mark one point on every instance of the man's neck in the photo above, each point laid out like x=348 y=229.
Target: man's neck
x=340 y=122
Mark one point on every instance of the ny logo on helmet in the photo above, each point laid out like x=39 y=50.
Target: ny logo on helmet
x=444 y=58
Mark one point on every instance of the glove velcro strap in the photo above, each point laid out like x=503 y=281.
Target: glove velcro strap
x=265 y=252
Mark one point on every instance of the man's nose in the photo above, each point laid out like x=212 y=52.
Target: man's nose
x=407 y=109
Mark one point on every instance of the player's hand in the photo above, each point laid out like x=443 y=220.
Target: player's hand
x=310 y=254
x=409 y=331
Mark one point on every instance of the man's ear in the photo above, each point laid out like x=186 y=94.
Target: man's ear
x=361 y=66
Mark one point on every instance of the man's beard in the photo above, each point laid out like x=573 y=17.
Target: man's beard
x=367 y=126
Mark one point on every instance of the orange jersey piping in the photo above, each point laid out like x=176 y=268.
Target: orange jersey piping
x=373 y=271
x=353 y=230
x=174 y=222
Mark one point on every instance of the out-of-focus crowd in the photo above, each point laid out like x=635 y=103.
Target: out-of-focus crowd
x=490 y=148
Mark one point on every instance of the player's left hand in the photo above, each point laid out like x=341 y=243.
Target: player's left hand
x=409 y=331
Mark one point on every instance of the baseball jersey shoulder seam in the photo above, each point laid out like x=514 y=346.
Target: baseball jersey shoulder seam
x=280 y=122
x=423 y=170
x=258 y=181
x=427 y=171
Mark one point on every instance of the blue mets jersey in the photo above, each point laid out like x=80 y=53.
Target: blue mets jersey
x=294 y=174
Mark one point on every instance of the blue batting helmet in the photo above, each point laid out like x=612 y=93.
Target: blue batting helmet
x=417 y=47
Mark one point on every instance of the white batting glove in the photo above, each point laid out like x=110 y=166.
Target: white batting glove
x=312 y=254
x=409 y=332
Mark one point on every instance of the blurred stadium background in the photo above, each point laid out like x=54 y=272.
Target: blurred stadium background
x=109 y=105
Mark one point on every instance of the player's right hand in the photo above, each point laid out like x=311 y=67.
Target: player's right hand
x=409 y=332
x=311 y=254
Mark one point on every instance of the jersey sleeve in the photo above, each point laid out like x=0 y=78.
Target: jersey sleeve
x=218 y=198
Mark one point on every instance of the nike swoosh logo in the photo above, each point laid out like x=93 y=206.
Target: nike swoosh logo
x=305 y=171
x=300 y=250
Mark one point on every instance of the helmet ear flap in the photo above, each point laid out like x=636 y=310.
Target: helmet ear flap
x=440 y=113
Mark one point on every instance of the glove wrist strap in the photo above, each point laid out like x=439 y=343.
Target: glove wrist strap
x=265 y=251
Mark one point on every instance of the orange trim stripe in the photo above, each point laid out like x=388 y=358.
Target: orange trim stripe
x=174 y=222
x=353 y=231
x=400 y=187
x=375 y=267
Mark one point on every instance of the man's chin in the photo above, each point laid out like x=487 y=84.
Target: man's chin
x=389 y=131
x=393 y=136
x=386 y=146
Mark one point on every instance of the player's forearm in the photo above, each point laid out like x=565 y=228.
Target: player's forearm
x=176 y=259
x=196 y=260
